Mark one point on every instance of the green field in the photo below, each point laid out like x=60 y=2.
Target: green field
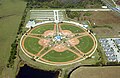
x=60 y=56
x=31 y=45
x=11 y=12
x=42 y=28
x=72 y=28
x=86 y=44
x=92 y=61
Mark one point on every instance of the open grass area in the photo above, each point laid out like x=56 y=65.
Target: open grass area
x=60 y=56
x=72 y=28
x=31 y=45
x=96 y=72
x=42 y=28
x=86 y=44
x=11 y=12
x=110 y=19
x=92 y=61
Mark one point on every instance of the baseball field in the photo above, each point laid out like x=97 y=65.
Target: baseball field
x=43 y=44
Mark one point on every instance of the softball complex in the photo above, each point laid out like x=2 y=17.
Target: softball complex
x=58 y=42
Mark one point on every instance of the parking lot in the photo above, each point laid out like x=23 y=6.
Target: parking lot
x=111 y=46
x=44 y=15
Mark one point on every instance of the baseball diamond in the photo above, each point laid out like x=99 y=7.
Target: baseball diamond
x=61 y=43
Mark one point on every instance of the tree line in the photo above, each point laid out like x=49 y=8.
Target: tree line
x=14 y=45
x=63 y=3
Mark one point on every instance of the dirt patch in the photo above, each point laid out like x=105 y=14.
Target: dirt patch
x=44 y=42
x=73 y=41
x=104 y=18
x=96 y=72
x=49 y=33
x=60 y=48
x=118 y=2
x=67 y=32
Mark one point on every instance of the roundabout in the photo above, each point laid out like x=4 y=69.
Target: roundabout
x=58 y=43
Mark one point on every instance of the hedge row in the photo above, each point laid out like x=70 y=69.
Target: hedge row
x=14 y=45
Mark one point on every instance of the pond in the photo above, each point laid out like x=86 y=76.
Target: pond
x=29 y=72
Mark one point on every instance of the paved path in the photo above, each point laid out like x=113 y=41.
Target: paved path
x=74 y=10
x=40 y=51
x=112 y=6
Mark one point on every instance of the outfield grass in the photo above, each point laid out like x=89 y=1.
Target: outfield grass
x=60 y=56
x=11 y=12
x=72 y=28
x=45 y=50
x=42 y=28
x=31 y=45
x=86 y=44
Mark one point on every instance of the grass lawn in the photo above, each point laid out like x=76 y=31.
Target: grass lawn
x=11 y=12
x=45 y=50
x=31 y=45
x=42 y=28
x=86 y=44
x=60 y=56
x=72 y=28
x=92 y=61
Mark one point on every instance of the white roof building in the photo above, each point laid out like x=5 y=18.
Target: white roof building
x=30 y=24
x=104 y=7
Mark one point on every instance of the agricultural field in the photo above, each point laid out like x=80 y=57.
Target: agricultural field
x=96 y=72
x=11 y=12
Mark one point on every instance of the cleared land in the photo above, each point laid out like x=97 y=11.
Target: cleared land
x=117 y=2
x=96 y=72
x=110 y=19
x=11 y=12
x=108 y=23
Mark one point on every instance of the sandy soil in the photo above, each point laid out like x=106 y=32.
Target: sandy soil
x=44 y=42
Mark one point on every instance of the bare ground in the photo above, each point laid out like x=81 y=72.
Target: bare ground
x=96 y=72
x=105 y=18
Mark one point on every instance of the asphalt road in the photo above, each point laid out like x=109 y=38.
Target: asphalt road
x=75 y=10
x=111 y=6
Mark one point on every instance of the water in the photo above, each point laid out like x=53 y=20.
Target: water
x=29 y=72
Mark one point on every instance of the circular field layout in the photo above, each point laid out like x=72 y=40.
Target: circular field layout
x=58 y=44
